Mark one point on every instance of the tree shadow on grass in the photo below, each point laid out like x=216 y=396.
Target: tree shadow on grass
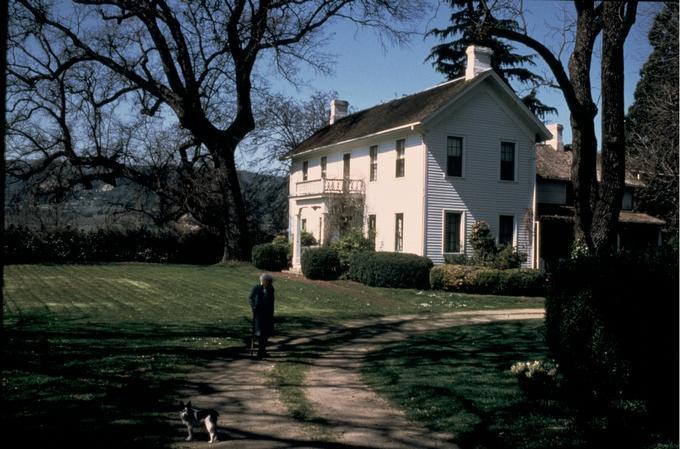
x=69 y=383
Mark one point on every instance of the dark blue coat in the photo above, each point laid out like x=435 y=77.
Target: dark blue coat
x=262 y=303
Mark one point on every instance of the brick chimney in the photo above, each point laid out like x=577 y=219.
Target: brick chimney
x=556 y=142
x=338 y=110
x=478 y=61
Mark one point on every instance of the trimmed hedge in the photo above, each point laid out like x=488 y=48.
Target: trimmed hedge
x=321 y=263
x=394 y=270
x=474 y=279
x=26 y=245
x=270 y=257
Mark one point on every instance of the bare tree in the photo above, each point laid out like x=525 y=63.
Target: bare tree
x=195 y=61
x=597 y=205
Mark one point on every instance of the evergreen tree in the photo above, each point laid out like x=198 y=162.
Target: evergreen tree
x=449 y=57
x=652 y=122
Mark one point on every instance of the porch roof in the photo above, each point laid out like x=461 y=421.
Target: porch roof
x=559 y=212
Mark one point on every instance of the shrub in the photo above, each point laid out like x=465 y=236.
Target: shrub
x=457 y=259
x=482 y=241
x=307 y=239
x=475 y=279
x=487 y=254
x=611 y=324
x=320 y=263
x=386 y=269
x=270 y=257
x=349 y=244
x=507 y=257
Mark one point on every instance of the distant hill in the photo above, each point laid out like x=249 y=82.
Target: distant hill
x=108 y=206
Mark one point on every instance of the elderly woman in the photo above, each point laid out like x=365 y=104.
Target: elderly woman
x=262 y=302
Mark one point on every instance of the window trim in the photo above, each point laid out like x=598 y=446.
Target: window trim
x=462 y=156
x=463 y=228
x=371 y=162
x=515 y=160
x=397 y=159
x=514 y=228
x=396 y=236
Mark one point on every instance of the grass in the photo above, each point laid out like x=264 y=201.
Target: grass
x=458 y=381
x=100 y=351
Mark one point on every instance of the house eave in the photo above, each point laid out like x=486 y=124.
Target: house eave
x=411 y=126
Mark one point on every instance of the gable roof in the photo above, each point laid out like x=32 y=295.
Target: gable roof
x=393 y=114
x=556 y=165
x=411 y=109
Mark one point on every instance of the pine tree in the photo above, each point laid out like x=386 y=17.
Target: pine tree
x=449 y=57
x=652 y=122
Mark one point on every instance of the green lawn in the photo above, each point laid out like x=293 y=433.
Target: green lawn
x=100 y=351
x=459 y=381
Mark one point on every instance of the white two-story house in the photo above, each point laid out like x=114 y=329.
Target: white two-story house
x=427 y=166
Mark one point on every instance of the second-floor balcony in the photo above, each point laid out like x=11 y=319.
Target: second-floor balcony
x=325 y=186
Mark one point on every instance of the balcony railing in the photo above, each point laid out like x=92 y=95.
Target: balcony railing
x=327 y=186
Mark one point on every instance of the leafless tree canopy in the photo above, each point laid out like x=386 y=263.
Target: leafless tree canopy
x=89 y=76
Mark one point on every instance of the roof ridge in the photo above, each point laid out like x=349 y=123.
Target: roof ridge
x=402 y=97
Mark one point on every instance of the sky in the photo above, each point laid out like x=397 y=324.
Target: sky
x=366 y=73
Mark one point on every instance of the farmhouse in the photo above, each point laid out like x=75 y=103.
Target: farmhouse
x=417 y=172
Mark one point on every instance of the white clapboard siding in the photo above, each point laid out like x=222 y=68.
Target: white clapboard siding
x=483 y=120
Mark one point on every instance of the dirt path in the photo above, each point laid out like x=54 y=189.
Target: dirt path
x=253 y=417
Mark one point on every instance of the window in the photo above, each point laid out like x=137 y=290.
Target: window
x=506 y=230
x=399 y=232
x=454 y=156
x=305 y=170
x=452 y=222
x=371 y=229
x=324 y=162
x=373 y=153
x=304 y=224
x=401 y=147
x=507 y=161
x=345 y=165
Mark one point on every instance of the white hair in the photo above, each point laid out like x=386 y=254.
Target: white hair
x=266 y=277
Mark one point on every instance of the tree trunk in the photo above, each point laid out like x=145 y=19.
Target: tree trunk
x=584 y=142
x=606 y=213
x=237 y=244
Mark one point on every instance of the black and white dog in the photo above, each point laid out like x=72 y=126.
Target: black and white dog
x=192 y=416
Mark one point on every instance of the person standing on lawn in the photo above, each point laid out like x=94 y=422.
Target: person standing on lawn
x=262 y=303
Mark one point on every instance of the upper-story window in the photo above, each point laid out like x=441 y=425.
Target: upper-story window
x=373 y=154
x=507 y=161
x=454 y=156
x=506 y=230
x=345 y=165
x=324 y=163
x=401 y=161
x=305 y=170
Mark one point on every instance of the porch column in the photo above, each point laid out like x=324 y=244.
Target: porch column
x=297 y=247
